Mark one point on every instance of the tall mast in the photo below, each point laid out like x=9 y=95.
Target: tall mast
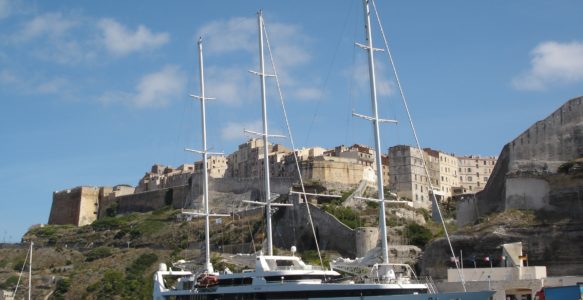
x=30 y=272
x=208 y=265
x=373 y=98
x=204 y=152
x=265 y=138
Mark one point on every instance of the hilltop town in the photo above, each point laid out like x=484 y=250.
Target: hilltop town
x=338 y=170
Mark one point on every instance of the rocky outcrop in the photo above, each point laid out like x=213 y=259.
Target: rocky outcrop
x=559 y=247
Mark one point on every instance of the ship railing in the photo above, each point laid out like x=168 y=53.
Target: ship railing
x=299 y=268
x=428 y=280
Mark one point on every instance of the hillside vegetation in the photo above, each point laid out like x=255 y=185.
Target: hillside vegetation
x=115 y=257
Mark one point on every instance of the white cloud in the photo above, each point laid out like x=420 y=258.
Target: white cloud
x=552 y=63
x=121 y=41
x=36 y=83
x=153 y=90
x=234 y=130
x=158 y=89
x=385 y=86
x=238 y=36
x=5 y=9
x=308 y=93
x=53 y=25
x=231 y=85
x=53 y=86
x=232 y=35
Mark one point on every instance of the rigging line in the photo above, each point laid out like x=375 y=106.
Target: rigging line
x=21 y=271
x=351 y=97
x=293 y=146
x=417 y=141
x=327 y=76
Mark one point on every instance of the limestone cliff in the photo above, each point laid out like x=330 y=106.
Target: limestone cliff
x=557 y=245
x=527 y=199
x=525 y=174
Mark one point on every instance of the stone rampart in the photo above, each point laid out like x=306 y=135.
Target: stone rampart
x=520 y=176
x=77 y=206
x=550 y=142
x=292 y=228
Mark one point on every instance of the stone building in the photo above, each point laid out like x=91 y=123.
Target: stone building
x=304 y=156
x=161 y=177
x=363 y=154
x=474 y=172
x=450 y=175
x=247 y=161
x=408 y=177
x=336 y=170
x=216 y=166
x=386 y=170
x=78 y=206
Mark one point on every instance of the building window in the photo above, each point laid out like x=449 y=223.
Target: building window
x=469 y=178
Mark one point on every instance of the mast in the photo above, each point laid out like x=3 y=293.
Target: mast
x=30 y=272
x=265 y=138
x=373 y=97
x=208 y=265
x=204 y=152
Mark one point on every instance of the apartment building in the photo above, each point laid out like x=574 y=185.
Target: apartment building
x=450 y=175
x=474 y=172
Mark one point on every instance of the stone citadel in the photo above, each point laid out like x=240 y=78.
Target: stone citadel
x=518 y=178
x=340 y=169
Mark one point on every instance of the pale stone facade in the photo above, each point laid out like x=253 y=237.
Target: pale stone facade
x=247 y=161
x=474 y=172
x=450 y=175
x=78 y=206
x=161 y=177
x=216 y=166
x=363 y=154
x=334 y=170
x=408 y=178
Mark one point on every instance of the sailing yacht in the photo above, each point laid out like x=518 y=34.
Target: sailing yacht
x=288 y=277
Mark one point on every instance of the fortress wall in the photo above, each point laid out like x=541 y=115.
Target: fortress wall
x=89 y=205
x=292 y=228
x=550 y=142
x=527 y=193
x=76 y=206
x=334 y=171
x=538 y=151
x=65 y=208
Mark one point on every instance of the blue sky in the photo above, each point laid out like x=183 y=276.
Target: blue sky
x=95 y=92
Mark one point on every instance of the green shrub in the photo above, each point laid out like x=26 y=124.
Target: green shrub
x=112 y=284
x=98 y=253
x=45 y=232
x=19 y=265
x=418 y=235
x=111 y=211
x=139 y=266
x=108 y=223
x=345 y=215
x=62 y=288
x=9 y=283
